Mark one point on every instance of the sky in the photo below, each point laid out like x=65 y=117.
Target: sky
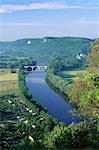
x=56 y=18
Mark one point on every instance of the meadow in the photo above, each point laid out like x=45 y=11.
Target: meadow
x=75 y=74
x=8 y=82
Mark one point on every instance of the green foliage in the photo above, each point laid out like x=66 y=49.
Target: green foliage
x=64 y=86
x=73 y=137
x=85 y=92
x=26 y=144
x=50 y=133
x=66 y=48
x=14 y=61
x=40 y=110
x=18 y=108
x=55 y=63
x=93 y=60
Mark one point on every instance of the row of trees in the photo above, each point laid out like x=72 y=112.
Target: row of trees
x=59 y=63
x=64 y=86
x=14 y=62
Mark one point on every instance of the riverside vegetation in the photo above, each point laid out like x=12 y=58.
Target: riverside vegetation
x=35 y=129
x=73 y=136
x=23 y=116
x=61 y=136
x=84 y=90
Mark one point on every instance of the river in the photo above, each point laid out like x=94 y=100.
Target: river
x=54 y=103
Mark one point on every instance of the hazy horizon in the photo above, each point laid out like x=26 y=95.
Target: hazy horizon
x=29 y=38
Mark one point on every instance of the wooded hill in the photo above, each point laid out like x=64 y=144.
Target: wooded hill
x=42 y=48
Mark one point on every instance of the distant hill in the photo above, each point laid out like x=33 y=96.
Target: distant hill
x=43 y=48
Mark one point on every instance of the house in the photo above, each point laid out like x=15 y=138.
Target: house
x=30 y=111
x=31 y=138
x=44 y=40
x=34 y=114
x=26 y=121
x=28 y=42
x=9 y=101
x=81 y=56
x=18 y=117
x=41 y=119
x=27 y=109
x=33 y=126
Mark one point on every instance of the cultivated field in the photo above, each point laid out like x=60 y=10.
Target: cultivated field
x=8 y=82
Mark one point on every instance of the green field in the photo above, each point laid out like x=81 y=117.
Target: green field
x=71 y=74
x=8 y=82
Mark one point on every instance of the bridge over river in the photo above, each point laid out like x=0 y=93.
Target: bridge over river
x=39 y=68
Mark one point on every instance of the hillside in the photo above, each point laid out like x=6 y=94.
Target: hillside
x=43 y=47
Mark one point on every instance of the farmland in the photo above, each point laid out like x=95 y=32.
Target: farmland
x=8 y=82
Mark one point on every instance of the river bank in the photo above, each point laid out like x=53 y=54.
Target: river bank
x=65 y=85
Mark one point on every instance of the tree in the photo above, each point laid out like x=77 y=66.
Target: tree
x=93 y=60
x=85 y=92
x=72 y=137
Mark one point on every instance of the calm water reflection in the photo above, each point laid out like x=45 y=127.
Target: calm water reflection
x=55 y=104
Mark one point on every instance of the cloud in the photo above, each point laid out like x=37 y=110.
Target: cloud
x=23 y=24
x=84 y=21
x=8 y=8
x=33 y=6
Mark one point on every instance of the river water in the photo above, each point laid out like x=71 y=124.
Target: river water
x=55 y=104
